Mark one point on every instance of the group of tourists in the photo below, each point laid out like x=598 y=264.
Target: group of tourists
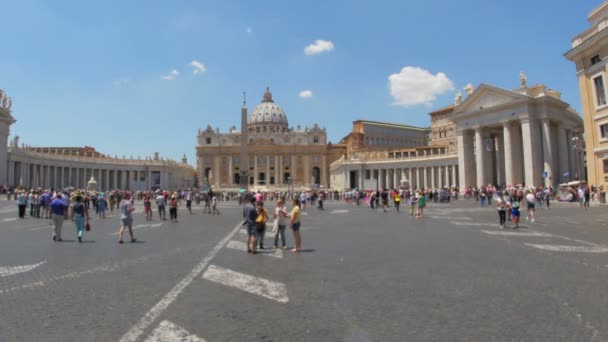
x=256 y=218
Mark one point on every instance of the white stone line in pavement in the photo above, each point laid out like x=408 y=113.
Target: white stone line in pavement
x=561 y=248
x=512 y=233
x=139 y=226
x=339 y=211
x=168 y=331
x=11 y=270
x=248 y=283
x=480 y=224
x=10 y=219
x=241 y=246
x=148 y=319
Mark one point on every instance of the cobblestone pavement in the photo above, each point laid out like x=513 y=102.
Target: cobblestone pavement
x=364 y=275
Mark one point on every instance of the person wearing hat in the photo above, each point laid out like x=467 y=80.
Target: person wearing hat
x=173 y=208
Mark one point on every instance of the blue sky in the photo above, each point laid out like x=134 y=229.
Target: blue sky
x=91 y=73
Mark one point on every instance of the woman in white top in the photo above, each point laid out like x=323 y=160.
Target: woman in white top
x=282 y=215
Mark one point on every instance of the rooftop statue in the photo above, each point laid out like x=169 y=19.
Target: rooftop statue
x=523 y=79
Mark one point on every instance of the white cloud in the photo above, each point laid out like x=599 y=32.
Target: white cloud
x=198 y=67
x=121 y=81
x=171 y=76
x=305 y=94
x=413 y=86
x=318 y=46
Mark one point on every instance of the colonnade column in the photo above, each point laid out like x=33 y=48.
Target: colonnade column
x=409 y=176
x=507 y=128
x=446 y=174
x=547 y=152
x=425 y=181
x=267 y=175
x=255 y=170
x=465 y=159
x=532 y=153
x=432 y=177
x=571 y=159
x=479 y=157
x=563 y=154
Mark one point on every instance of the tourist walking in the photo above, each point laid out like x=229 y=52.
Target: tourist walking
x=102 y=205
x=515 y=205
x=397 y=200
x=79 y=215
x=126 y=218
x=58 y=209
x=502 y=211
x=21 y=203
x=421 y=205
x=530 y=199
x=280 y=215
x=160 y=203
x=148 y=207
x=412 y=202
x=250 y=214
x=173 y=208
x=260 y=222
x=207 y=209
x=295 y=225
x=384 y=196
x=189 y=201
x=214 y=205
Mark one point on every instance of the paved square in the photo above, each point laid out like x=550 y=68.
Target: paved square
x=364 y=275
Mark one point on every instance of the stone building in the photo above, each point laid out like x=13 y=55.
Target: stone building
x=590 y=54
x=266 y=154
x=495 y=136
x=515 y=137
x=60 y=167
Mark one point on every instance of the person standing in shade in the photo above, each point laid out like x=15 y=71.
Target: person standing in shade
x=295 y=225
x=79 y=214
x=501 y=206
x=281 y=214
x=126 y=218
x=250 y=214
x=22 y=203
x=260 y=222
x=58 y=209
x=160 y=203
x=173 y=208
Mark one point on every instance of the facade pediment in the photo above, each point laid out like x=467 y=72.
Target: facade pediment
x=487 y=96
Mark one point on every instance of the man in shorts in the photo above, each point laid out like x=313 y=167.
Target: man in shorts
x=531 y=199
x=250 y=215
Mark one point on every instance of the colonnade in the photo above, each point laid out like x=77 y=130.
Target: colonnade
x=528 y=151
x=48 y=175
x=427 y=176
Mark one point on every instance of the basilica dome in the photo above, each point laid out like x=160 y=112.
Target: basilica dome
x=268 y=113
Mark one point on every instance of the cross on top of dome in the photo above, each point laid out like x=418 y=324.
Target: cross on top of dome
x=267 y=95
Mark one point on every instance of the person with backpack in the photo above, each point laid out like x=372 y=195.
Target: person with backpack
x=250 y=215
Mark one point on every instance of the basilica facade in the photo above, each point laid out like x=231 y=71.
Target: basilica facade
x=266 y=154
